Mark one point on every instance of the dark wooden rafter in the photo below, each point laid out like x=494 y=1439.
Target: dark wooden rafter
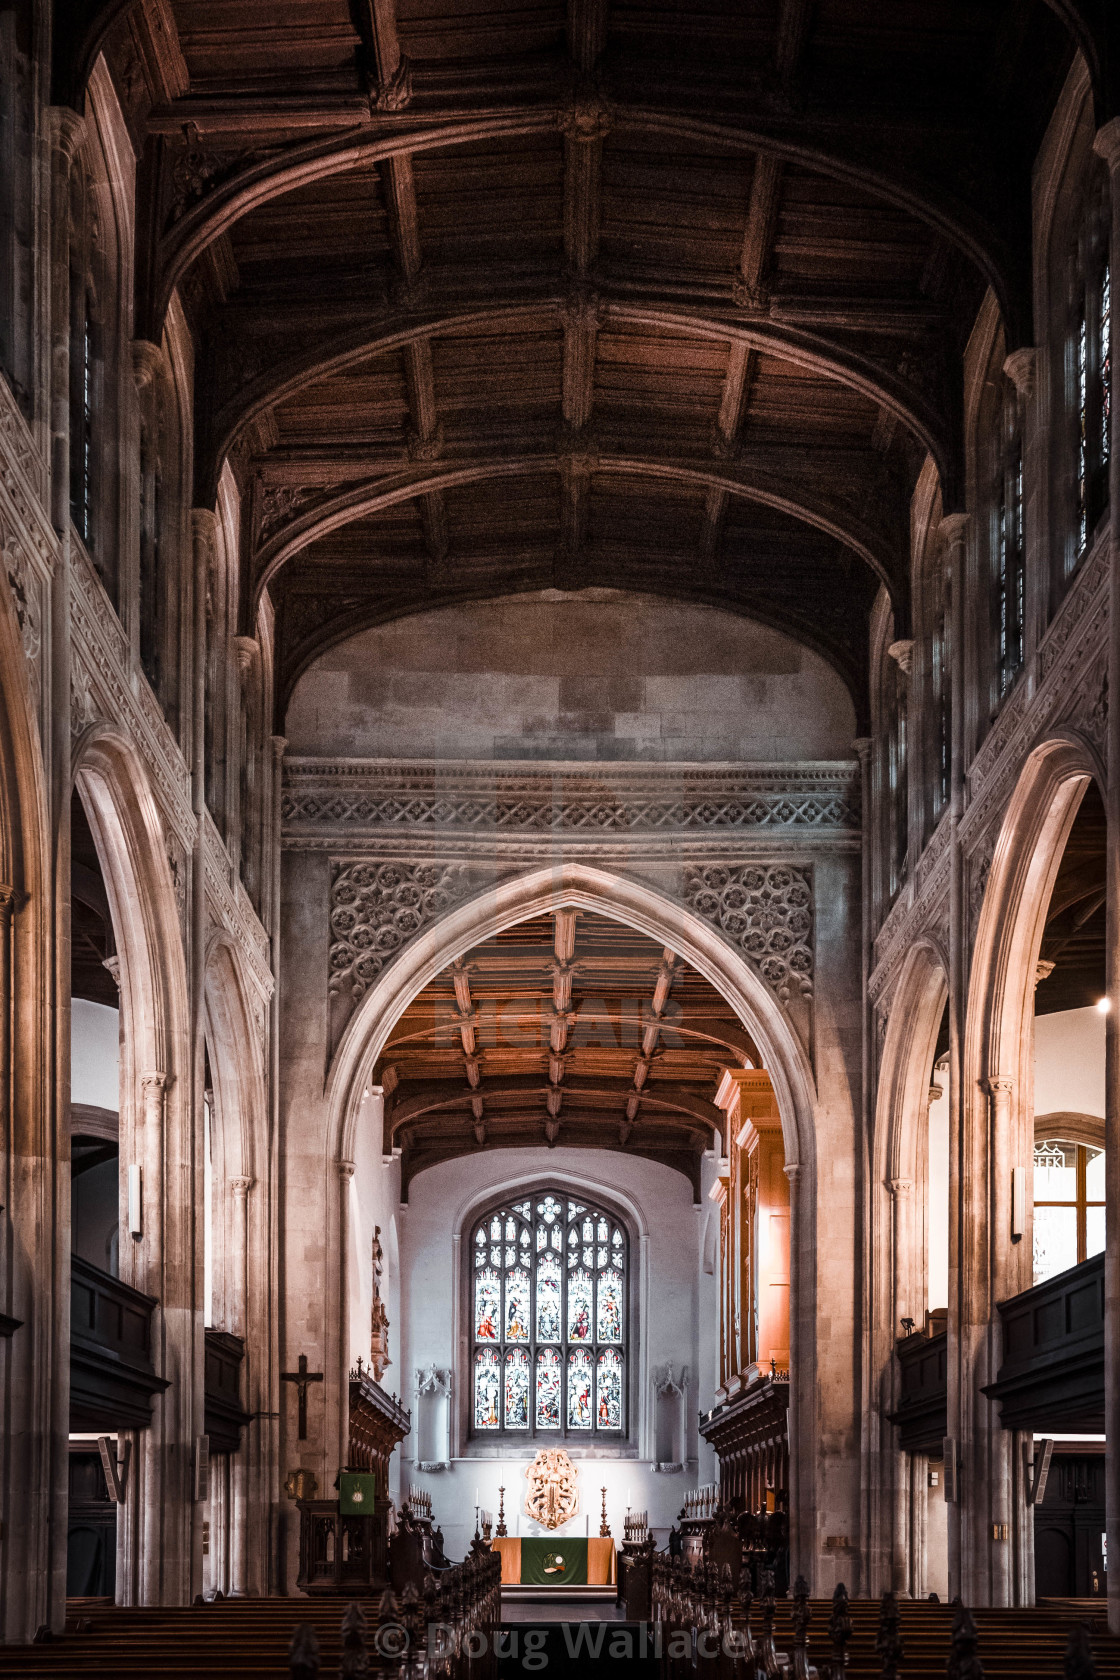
x=649 y=1044
x=562 y=973
x=566 y=1031
x=976 y=231
x=583 y=310
x=751 y=478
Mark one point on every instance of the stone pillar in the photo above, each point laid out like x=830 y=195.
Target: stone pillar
x=345 y=1174
x=237 y=1512
x=1107 y=145
x=901 y=1239
x=954 y=533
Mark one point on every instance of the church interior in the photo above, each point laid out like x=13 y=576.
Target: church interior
x=559 y=837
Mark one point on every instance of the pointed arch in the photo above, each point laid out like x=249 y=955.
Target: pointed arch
x=648 y=911
x=158 y=1134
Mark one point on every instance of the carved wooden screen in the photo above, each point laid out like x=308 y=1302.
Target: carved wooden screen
x=548 y=1320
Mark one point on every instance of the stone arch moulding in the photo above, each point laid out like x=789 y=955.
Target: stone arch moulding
x=1071 y=1127
x=1028 y=852
x=236 y=1060
x=896 y=1226
x=581 y=886
x=996 y=1136
x=157 y=1133
x=629 y=1212
x=244 y=1257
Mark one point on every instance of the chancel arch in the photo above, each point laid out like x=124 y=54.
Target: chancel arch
x=569 y=889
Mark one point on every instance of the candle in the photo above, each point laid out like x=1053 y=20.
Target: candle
x=476 y=1498
x=627 y=1498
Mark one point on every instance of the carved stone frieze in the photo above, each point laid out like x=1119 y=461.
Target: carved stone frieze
x=766 y=912
x=349 y=795
x=377 y=908
x=1077 y=603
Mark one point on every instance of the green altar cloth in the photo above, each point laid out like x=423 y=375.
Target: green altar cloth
x=554 y=1563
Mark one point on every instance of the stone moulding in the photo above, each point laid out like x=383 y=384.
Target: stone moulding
x=377 y=908
x=352 y=796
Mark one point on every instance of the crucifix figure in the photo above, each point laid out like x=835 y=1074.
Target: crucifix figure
x=301 y=1377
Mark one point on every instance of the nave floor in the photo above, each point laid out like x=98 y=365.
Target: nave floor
x=247 y=1639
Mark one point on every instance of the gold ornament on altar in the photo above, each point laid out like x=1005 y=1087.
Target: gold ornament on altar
x=552 y=1497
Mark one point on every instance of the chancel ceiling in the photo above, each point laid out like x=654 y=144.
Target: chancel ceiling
x=566 y=1029
x=637 y=294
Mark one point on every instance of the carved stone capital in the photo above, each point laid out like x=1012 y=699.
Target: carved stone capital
x=153 y=1081
x=345 y=1171
x=248 y=650
x=241 y=1187
x=204 y=526
x=793 y=1172
x=902 y=652
x=861 y=746
x=113 y=966
x=67 y=131
x=1106 y=143
x=147 y=363
x=936 y=1092
x=8 y=899
x=900 y=1188
x=1043 y=969
x=279 y=748
x=1021 y=367
x=1000 y=1087
x=953 y=529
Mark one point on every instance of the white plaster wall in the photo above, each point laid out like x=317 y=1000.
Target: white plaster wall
x=1069 y=1062
x=937 y=1195
x=675 y=1299
x=599 y=675
x=95 y=1054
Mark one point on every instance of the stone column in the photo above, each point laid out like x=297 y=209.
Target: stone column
x=1107 y=145
x=1002 y=1482
x=901 y=1223
x=49 y=1346
x=802 y=1535
x=345 y=1174
x=954 y=534
x=237 y=1512
x=140 y=1551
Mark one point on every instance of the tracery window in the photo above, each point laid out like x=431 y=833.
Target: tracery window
x=1092 y=367
x=81 y=420
x=1010 y=549
x=549 y=1322
x=1068 y=1205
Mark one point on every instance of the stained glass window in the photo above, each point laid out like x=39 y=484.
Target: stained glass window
x=549 y=1318
x=1091 y=366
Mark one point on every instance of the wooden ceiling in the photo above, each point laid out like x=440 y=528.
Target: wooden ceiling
x=656 y=294
x=567 y=1029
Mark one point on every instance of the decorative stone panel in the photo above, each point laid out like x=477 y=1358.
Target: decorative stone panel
x=377 y=908
x=766 y=911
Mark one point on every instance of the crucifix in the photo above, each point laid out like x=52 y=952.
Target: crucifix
x=301 y=1377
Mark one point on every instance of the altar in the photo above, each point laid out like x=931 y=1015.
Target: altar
x=556 y=1560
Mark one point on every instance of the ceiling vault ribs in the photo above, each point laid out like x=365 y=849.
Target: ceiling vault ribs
x=460 y=974
x=769 y=486
x=377 y=22
x=975 y=230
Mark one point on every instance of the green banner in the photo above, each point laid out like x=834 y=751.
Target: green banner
x=357 y=1494
x=557 y=1562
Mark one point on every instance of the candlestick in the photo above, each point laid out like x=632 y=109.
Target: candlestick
x=604 y=1525
x=501 y=1530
